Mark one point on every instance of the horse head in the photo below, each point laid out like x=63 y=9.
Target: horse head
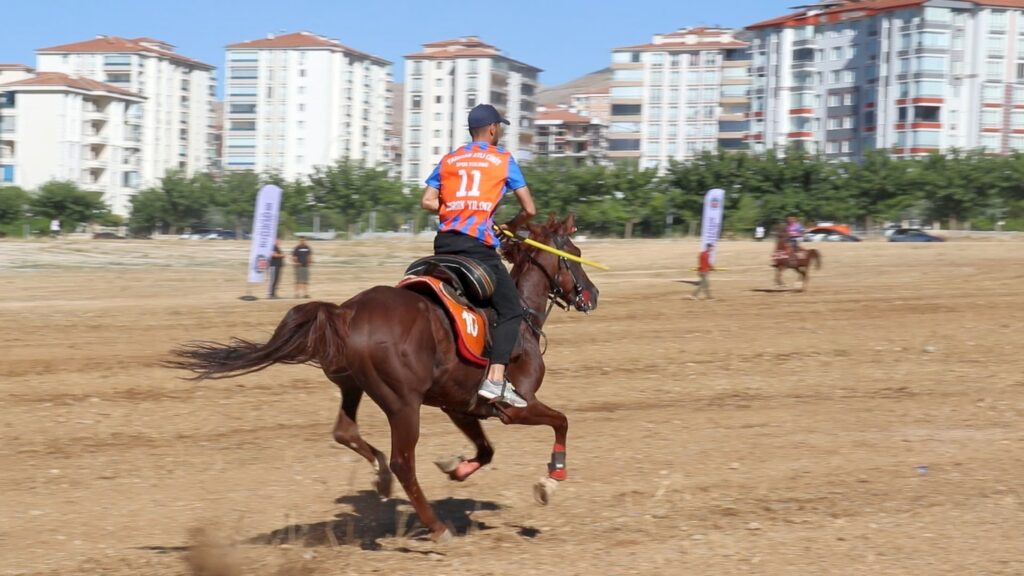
x=568 y=283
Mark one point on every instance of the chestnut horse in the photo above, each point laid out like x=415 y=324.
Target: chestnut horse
x=800 y=260
x=397 y=347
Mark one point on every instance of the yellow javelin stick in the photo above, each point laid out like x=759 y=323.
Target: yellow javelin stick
x=555 y=251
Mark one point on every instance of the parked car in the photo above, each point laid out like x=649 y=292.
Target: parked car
x=107 y=236
x=912 y=235
x=828 y=234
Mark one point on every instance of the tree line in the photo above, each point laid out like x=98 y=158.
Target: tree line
x=956 y=189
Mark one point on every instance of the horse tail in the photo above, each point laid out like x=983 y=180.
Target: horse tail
x=816 y=256
x=310 y=333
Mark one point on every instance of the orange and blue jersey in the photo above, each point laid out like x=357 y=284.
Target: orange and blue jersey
x=472 y=180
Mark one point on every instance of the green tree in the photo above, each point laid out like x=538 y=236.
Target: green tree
x=13 y=202
x=68 y=203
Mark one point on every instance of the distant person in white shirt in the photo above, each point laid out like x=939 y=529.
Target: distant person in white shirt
x=55 y=228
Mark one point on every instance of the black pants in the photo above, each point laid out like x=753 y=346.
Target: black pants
x=505 y=301
x=275 y=277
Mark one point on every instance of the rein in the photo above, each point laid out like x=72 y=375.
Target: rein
x=556 y=296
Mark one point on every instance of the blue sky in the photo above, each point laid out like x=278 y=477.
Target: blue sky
x=567 y=38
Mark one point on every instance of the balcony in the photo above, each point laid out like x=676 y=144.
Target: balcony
x=96 y=138
x=133 y=118
x=811 y=42
x=96 y=114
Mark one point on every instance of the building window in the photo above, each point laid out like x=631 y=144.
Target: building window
x=934 y=40
x=991 y=118
x=470 y=100
x=835 y=54
x=996 y=45
x=630 y=145
x=246 y=73
x=997 y=20
x=990 y=142
x=994 y=70
x=438 y=99
x=628 y=75
x=626 y=109
x=417 y=67
x=417 y=102
x=992 y=93
x=627 y=92
x=472 y=66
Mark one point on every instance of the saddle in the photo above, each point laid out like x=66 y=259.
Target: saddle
x=461 y=286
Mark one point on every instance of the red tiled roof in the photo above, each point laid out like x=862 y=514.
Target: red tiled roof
x=563 y=116
x=470 y=47
x=115 y=44
x=16 y=67
x=302 y=40
x=77 y=82
x=466 y=41
x=826 y=14
x=685 y=46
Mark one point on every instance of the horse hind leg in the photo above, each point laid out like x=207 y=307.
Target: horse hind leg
x=346 y=433
x=405 y=433
x=458 y=468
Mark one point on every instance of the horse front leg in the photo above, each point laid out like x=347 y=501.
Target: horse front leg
x=537 y=413
x=458 y=468
x=778 y=277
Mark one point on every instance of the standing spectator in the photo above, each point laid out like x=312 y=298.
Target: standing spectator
x=274 y=271
x=302 y=257
x=55 y=228
x=704 y=268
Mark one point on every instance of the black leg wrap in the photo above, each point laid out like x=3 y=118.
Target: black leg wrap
x=557 y=461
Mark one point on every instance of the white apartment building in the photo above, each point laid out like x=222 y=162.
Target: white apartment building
x=916 y=77
x=177 y=116
x=684 y=93
x=59 y=127
x=12 y=72
x=297 y=101
x=444 y=82
x=562 y=132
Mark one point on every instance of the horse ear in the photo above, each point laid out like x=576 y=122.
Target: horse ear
x=569 y=224
x=552 y=219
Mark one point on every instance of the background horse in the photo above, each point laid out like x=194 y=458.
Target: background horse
x=397 y=347
x=800 y=260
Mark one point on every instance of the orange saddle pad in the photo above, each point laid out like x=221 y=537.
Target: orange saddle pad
x=469 y=325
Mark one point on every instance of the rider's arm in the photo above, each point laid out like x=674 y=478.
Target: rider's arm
x=431 y=200
x=517 y=183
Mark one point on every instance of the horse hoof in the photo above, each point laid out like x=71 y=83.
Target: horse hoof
x=448 y=465
x=442 y=537
x=382 y=485
x=544 y=489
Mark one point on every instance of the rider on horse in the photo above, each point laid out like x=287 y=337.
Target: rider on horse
x=794 y=232
x=465 y=189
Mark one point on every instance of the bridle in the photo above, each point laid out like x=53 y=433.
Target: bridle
x=556 y=296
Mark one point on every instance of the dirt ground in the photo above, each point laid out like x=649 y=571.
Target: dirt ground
x=871 y=425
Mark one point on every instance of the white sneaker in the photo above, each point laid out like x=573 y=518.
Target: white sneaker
x=501 y=392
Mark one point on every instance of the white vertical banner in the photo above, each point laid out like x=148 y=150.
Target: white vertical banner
x=711 y=221
x=264 y=231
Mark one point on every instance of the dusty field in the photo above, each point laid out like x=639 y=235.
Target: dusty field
x=762 y=433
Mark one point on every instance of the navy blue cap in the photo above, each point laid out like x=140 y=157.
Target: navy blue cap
x=484 y=115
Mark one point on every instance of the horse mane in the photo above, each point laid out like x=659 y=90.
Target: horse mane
x=516 y=253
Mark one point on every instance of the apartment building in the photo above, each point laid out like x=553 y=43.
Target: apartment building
x=564 y=133
x=913 y=76
x=683 y=93
x=59 y=127
x=177 y=115
x=592 y=104
x=297 y=101
x=444 y=82
x=12 y=72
